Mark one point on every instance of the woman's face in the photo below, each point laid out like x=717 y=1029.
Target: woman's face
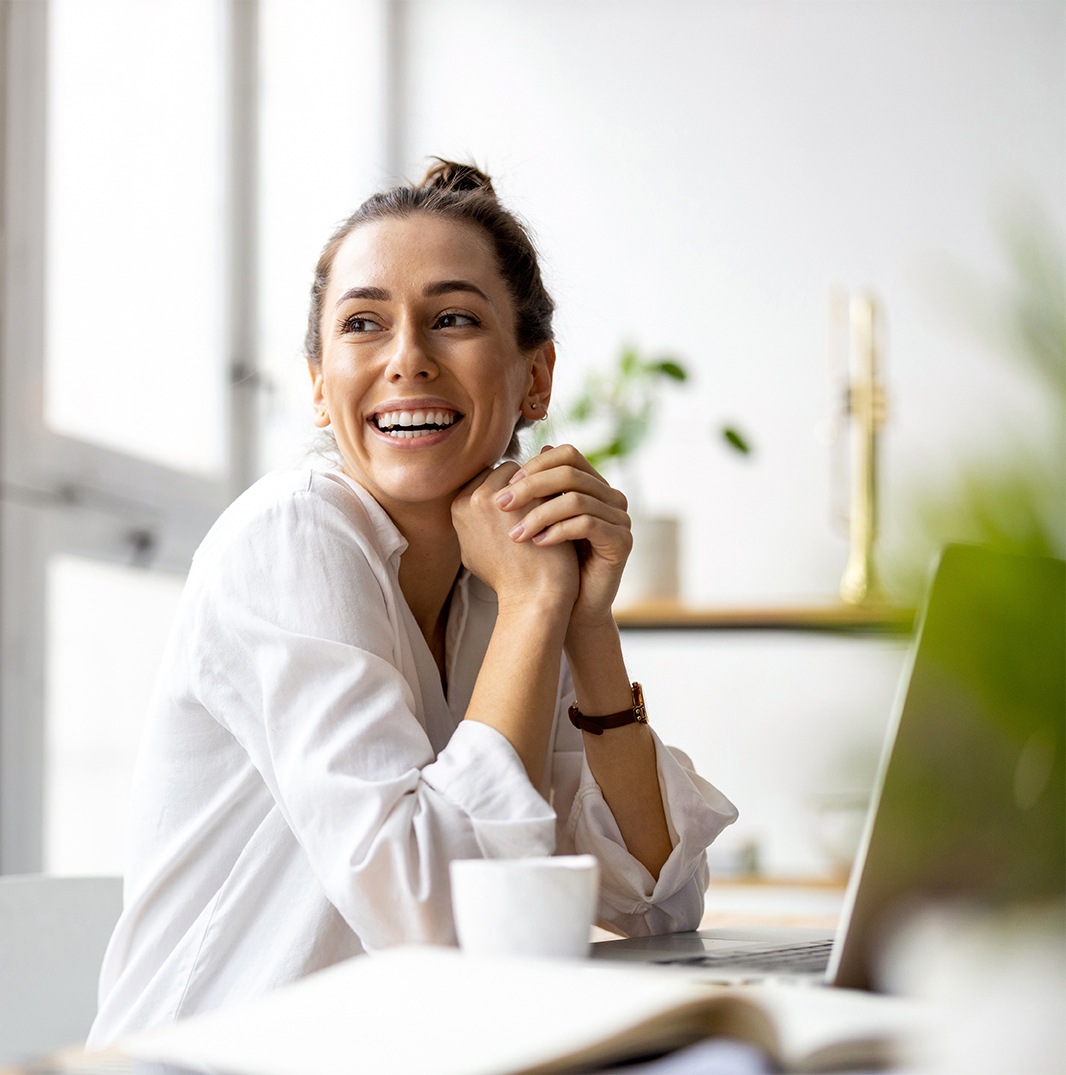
x=421 y=377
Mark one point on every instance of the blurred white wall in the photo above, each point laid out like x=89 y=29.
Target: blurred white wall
x=698 y=175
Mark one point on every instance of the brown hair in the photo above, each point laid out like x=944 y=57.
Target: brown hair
x=462 y=193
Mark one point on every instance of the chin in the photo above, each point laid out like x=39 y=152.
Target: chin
x=404 y=490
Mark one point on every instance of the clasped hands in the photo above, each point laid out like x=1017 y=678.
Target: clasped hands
x=551 y=530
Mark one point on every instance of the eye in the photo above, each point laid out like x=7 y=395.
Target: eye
x=454 y=319
x=360 y=323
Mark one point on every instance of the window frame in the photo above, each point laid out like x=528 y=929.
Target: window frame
x=59 y=494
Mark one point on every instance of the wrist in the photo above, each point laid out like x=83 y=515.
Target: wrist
x=598 y=669
x=591 y=634
x=541 y=608
x=596 y=724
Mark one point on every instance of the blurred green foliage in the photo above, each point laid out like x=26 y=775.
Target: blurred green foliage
x=1017 y=501
x=972 y=806
x=977 y=788
x=620 y=405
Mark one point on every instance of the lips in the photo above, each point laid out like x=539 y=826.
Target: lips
x=416 y=422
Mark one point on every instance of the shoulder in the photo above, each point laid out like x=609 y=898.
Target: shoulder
x=299 y=512
x=302 y=550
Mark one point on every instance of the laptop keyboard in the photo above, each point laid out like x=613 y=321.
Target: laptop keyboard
x=804 y=958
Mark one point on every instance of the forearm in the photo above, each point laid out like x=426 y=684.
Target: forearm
x=518 y=683
x=622 y=760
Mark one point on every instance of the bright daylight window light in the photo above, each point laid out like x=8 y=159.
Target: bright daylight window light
x=107 y=628
x=134 y=350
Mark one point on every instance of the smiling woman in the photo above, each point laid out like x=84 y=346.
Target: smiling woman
x=373 y=666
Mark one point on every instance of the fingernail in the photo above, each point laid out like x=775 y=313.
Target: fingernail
x=518 y=531
x=517 y=477
x=504 y=498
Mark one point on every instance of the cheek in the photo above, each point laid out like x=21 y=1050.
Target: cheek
x=515 y=379
x=340 y=382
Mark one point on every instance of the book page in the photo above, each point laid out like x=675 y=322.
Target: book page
x=825 y=1029
x=436 y=1011
x=422 y=1011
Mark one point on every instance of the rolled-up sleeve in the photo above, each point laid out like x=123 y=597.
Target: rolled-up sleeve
x=483 y=775
x=632 y=902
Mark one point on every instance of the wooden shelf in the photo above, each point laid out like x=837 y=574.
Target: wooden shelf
x=839 y=618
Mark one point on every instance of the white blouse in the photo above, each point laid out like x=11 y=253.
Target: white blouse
x=304 y=782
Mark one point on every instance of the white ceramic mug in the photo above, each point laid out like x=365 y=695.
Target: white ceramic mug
x=531 y=906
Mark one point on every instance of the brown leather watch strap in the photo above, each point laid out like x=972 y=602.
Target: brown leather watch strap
x=596 y=725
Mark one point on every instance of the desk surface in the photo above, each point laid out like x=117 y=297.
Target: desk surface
x=732 y=904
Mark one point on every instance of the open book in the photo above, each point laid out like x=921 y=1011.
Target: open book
x=436 y=1011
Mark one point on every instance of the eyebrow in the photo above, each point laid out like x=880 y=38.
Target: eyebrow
x=445 y=287
x=375 y=294
x=441 y=287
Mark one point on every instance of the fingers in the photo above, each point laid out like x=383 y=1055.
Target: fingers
x=555 y=472
x=490 y=481
x=568 y=507
x=518 y=572
x=475 y=504
x=606 y=540
x=564 y=455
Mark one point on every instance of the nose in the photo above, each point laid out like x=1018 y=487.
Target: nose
x=410 y=359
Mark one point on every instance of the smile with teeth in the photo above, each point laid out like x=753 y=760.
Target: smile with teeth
x=409 y=424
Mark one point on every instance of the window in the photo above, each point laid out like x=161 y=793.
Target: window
x=133 y=230
x=127 y=357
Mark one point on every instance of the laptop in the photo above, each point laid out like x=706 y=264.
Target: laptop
x=969 y=800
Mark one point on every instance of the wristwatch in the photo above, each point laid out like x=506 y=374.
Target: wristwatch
x=596 y=725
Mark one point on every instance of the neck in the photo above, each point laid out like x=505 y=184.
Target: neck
x=428 y=568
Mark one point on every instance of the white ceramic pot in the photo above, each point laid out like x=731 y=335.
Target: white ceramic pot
x=653 y=572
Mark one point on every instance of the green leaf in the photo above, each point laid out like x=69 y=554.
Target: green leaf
x=613 y=450
x=629 y=362
x=736 y=440
x=671 y=368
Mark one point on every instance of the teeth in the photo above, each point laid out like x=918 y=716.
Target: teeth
x=408 y=422
x=409 y=434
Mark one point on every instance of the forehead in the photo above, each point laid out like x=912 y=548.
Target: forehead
x=408 y=252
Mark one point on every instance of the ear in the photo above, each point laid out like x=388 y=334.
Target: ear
x=318 y=397
x=539 y=393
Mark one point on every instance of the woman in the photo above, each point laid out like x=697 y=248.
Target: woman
x=372 y=666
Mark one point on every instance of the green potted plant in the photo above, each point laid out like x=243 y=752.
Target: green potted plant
x=610 y=420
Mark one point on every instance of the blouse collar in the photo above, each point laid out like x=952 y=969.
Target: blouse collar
x=389 y=539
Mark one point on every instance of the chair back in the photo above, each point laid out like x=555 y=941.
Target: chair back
x=53 y=931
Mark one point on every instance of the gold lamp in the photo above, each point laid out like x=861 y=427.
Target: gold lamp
x=865 y=409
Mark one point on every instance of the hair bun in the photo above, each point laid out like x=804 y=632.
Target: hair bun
x=449 y=177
